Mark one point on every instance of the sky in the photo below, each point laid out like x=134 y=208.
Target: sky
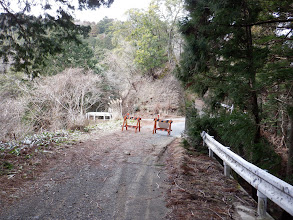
x=116 y=10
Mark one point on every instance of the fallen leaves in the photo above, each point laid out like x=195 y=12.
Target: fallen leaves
x=198 y=188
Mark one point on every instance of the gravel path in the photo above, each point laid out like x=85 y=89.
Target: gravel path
x=127 y=175
x=117 y=176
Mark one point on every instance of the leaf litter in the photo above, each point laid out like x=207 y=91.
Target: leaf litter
x=198 y=188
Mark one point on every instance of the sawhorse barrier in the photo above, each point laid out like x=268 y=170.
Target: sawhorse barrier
x=126 y=125
x=162 y=125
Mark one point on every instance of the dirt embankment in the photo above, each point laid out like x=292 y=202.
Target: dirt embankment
x=198 y=188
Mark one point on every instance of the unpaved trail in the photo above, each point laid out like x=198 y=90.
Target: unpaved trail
x=117 y=176
x=127 y=175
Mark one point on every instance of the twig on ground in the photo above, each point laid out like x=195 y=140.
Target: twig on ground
x=179 y=186
x=224 y=200
x=229 y=211
x=99 y=206
x=106 y=178
x=64 y=178
x=241 y=200
x=204 y=195
x=158 y=186
x=158 y=174
x=216 y=213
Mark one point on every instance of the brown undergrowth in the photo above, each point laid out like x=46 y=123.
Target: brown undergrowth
x=198 y=187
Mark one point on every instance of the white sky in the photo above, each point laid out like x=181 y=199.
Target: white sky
x=116 y=10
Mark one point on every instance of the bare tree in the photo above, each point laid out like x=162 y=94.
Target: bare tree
x=63 y=99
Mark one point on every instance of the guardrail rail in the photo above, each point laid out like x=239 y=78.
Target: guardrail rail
x=267 y=185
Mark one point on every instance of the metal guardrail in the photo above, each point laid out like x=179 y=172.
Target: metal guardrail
x=267 y=185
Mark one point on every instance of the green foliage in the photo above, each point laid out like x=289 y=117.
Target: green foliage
x=236 y=131
x=149 y=55
x=196 y=125
x=241 y=126
x=7 y=165
x=101 y=40
x=241 y=53
x=226 y=53
x=102 y=27
x=148 y=34
x=27 y=41
x=73 y=56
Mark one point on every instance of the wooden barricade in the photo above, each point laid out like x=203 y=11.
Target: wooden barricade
x=126 y=125
x=163 y=125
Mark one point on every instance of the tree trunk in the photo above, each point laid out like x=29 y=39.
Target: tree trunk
x=253 y=93
x=290 y=147
x=82 y=103
x=255 y=112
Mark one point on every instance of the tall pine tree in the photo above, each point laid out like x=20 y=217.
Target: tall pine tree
x=238 y=51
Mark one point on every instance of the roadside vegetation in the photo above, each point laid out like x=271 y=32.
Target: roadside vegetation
x=54 y=69
x=238 y=59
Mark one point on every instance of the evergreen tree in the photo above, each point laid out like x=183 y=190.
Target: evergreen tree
x=236 y=51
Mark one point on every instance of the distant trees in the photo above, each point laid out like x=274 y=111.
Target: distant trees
x=241 y=52
x=145 y=31
x=150 y=34
x=26 y=40
x=171 y=12
x=100 y=40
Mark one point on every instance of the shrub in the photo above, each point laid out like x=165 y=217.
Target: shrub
x=60 y=101
x=237 y=131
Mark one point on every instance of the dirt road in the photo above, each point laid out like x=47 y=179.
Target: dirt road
x=118 y=176
x=127 y=175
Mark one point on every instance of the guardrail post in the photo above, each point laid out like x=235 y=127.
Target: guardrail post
x=211 y=153
x=261 y=205
x=227 y=169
